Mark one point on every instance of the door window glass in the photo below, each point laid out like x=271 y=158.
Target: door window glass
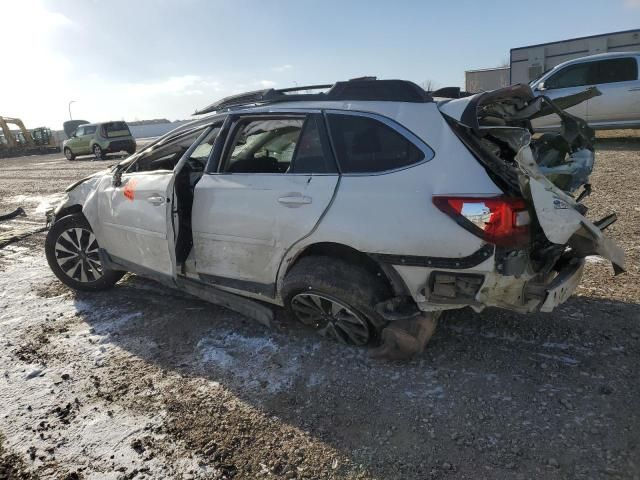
x=571 y=76
x=313 y=153
x=367 y=145
x=89 y=130
x=200 y=155
x=616 y=70
x=263 y=145
x=166 y=156
x=79 y=131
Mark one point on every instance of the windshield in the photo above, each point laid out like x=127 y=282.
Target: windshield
x=535 y=81
x=116 y=129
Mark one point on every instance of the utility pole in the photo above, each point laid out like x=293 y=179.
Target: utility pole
x=72 y=101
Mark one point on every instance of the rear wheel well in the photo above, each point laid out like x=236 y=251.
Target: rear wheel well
x=350 y=255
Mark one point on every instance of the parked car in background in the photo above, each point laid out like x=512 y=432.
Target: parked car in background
x=354 y=208
x=98 y=139
x=615 y=75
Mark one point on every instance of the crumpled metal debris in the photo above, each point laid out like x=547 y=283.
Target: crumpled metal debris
x=407 y=338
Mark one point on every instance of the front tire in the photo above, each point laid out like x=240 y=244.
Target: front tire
x=336 y=298
x=69 y=154
x=72 y=253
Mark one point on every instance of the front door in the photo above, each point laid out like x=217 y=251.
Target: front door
x=133 y=220
x=570 y=80
x=275 y=179
x=79 y=143
x=135 y=216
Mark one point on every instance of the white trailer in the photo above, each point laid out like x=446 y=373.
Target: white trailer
x=529 y=63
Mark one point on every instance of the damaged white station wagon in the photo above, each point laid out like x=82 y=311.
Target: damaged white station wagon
x=364 y=207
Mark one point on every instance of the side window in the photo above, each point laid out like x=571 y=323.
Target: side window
x=200 y=155
x=571 y=76
x=165 y=157
x=90 y=130
x=263 y=145
x=366 y=145
x=79 y=131
x=615 y=70
x=313 y=154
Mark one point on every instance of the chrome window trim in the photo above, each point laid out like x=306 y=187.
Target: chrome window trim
x=429 y=153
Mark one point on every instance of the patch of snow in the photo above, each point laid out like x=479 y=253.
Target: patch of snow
x=36 y=204
x=38 y=409
x=257 y=362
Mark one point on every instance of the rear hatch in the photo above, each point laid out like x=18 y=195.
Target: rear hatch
x=551 y=172
x=115 y=130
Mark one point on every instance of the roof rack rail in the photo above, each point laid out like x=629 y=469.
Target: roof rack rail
x=364 y=88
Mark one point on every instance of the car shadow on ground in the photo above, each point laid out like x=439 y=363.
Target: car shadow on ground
x=512 y=390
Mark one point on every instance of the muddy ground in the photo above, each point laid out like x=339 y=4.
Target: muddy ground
x=140 y=382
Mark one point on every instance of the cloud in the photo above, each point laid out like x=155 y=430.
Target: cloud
x=632 y=3
x=282 y=68
x=266 y=83
x=184 y=85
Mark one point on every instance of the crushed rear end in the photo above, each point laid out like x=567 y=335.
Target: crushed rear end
x=544 y=179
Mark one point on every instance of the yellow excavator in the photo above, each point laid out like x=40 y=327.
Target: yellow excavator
x=21 y=141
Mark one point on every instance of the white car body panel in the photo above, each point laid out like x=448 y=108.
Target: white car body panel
x=135 y=228
x=244 y=223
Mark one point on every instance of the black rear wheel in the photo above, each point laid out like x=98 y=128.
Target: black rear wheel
x=97 y=152
x=336 y=298
x=72 y=253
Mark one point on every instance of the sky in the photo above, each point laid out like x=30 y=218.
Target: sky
x=134 y=60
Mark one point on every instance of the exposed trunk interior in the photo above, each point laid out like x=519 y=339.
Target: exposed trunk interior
x=550 y=171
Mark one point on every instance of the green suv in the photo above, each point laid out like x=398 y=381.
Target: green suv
x=99 y=139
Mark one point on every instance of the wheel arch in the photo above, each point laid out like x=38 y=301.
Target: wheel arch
x=348 y=254
x=69 y=210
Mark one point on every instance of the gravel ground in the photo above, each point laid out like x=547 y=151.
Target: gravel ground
x=142 y=382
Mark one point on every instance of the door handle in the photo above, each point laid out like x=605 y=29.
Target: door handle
x=635 y=89
x=155 y=200
x=294 y=200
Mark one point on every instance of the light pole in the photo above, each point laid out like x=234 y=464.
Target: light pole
x=72 y=101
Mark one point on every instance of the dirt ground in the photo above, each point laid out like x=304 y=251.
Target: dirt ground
x=141 y=382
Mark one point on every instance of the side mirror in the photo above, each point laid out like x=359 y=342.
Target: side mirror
x=540 y=87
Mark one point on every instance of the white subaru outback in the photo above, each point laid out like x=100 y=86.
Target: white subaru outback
x=356 y=206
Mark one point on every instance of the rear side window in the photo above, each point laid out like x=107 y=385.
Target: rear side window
x=572 y=76
x=366 y=145
x=115 y=129
x=313 y=152
x=615 y=70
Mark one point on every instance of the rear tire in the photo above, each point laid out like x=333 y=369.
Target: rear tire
x=336 y=298
x=72 y=254
x=97 y=152
x=69 y=154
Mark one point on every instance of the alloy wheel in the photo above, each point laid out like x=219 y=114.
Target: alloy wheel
x=331 y=318
x=97 y=151
x=76 y=252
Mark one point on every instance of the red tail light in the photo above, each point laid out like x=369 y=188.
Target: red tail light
x=499 y=220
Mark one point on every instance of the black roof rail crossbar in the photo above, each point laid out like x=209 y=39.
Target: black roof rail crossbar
x=364 y=89
x=308 y=87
